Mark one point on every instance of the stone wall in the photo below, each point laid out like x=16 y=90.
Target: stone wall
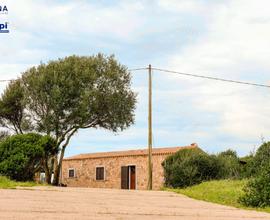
x=85 y=171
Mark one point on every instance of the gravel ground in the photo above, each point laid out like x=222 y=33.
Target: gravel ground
x=87 y=203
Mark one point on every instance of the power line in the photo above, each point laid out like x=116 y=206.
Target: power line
x=213 y=78
x=143 y=68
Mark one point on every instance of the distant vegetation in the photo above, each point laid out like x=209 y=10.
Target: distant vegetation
x=193 y=166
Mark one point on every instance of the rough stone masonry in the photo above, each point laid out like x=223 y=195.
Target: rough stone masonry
x=120 y=169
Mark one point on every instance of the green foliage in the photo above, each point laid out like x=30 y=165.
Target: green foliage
x=12 y=108
x=21 y=155
x=192 y=166
x=48 y=145
x=229 y=165
x=261 y=158
x=79 y=92
x=257 y=191
x=247 y=168
x=188 y=167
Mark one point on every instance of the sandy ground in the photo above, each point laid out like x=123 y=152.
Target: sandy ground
x=86 y=203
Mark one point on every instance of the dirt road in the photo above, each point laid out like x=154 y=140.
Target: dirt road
x=83 y=203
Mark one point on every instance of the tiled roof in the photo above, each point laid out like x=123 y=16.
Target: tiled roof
x=129 y=153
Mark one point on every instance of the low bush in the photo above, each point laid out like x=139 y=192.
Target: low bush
x=188 y=167
x=247 y=167
x=261 y=158
x=257 y=191
x=21 y=155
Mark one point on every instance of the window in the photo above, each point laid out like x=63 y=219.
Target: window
x=100 y=173
x=71 y=173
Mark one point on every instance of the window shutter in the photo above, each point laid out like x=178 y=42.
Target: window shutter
x=100 y=173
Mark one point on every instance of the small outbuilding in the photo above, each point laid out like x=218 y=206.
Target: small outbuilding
x=119 y=169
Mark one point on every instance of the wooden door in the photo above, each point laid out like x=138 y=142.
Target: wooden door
x=124 y=177
x=132 y=177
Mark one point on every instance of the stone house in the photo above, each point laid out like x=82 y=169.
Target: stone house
x=119 y=169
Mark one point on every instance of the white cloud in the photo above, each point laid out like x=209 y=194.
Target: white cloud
x=237 y=43
x=233 y=39
x=75 y=18
x=181 y=5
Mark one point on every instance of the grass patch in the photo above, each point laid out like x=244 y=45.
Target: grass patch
x=225 y=192
x=6 y=183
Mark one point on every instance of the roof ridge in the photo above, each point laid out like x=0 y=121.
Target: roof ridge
x=131 y=152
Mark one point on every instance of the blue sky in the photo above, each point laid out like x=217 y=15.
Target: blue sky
x=228 y=39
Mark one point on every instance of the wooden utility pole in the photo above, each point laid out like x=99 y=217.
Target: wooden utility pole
x=150 y=166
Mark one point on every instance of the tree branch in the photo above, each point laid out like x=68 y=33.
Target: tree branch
x=92 y=124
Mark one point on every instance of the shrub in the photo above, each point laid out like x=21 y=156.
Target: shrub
x=229 y=165
x=261 y=158
x=257 y=191
x=188 y=167
x=21 y=155
x=247 y=166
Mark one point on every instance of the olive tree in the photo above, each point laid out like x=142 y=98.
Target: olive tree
x=78 y=92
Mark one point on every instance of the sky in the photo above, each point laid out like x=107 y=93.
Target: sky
x=227 y=39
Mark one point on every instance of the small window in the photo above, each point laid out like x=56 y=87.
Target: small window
x=71 y=173
x=100 y=173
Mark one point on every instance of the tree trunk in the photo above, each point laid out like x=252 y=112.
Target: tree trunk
x=55 y=171
x=58 y=164
x=48 y=174
x=57 y=168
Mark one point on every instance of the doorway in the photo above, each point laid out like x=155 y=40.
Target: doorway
x=128 y=177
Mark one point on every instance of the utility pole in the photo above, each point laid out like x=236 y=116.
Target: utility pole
x=150 y=165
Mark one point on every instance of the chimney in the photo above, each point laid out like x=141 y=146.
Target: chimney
x=194 y=145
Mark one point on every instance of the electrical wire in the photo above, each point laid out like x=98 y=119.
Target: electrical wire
x=213 y=78
x=143 y=68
